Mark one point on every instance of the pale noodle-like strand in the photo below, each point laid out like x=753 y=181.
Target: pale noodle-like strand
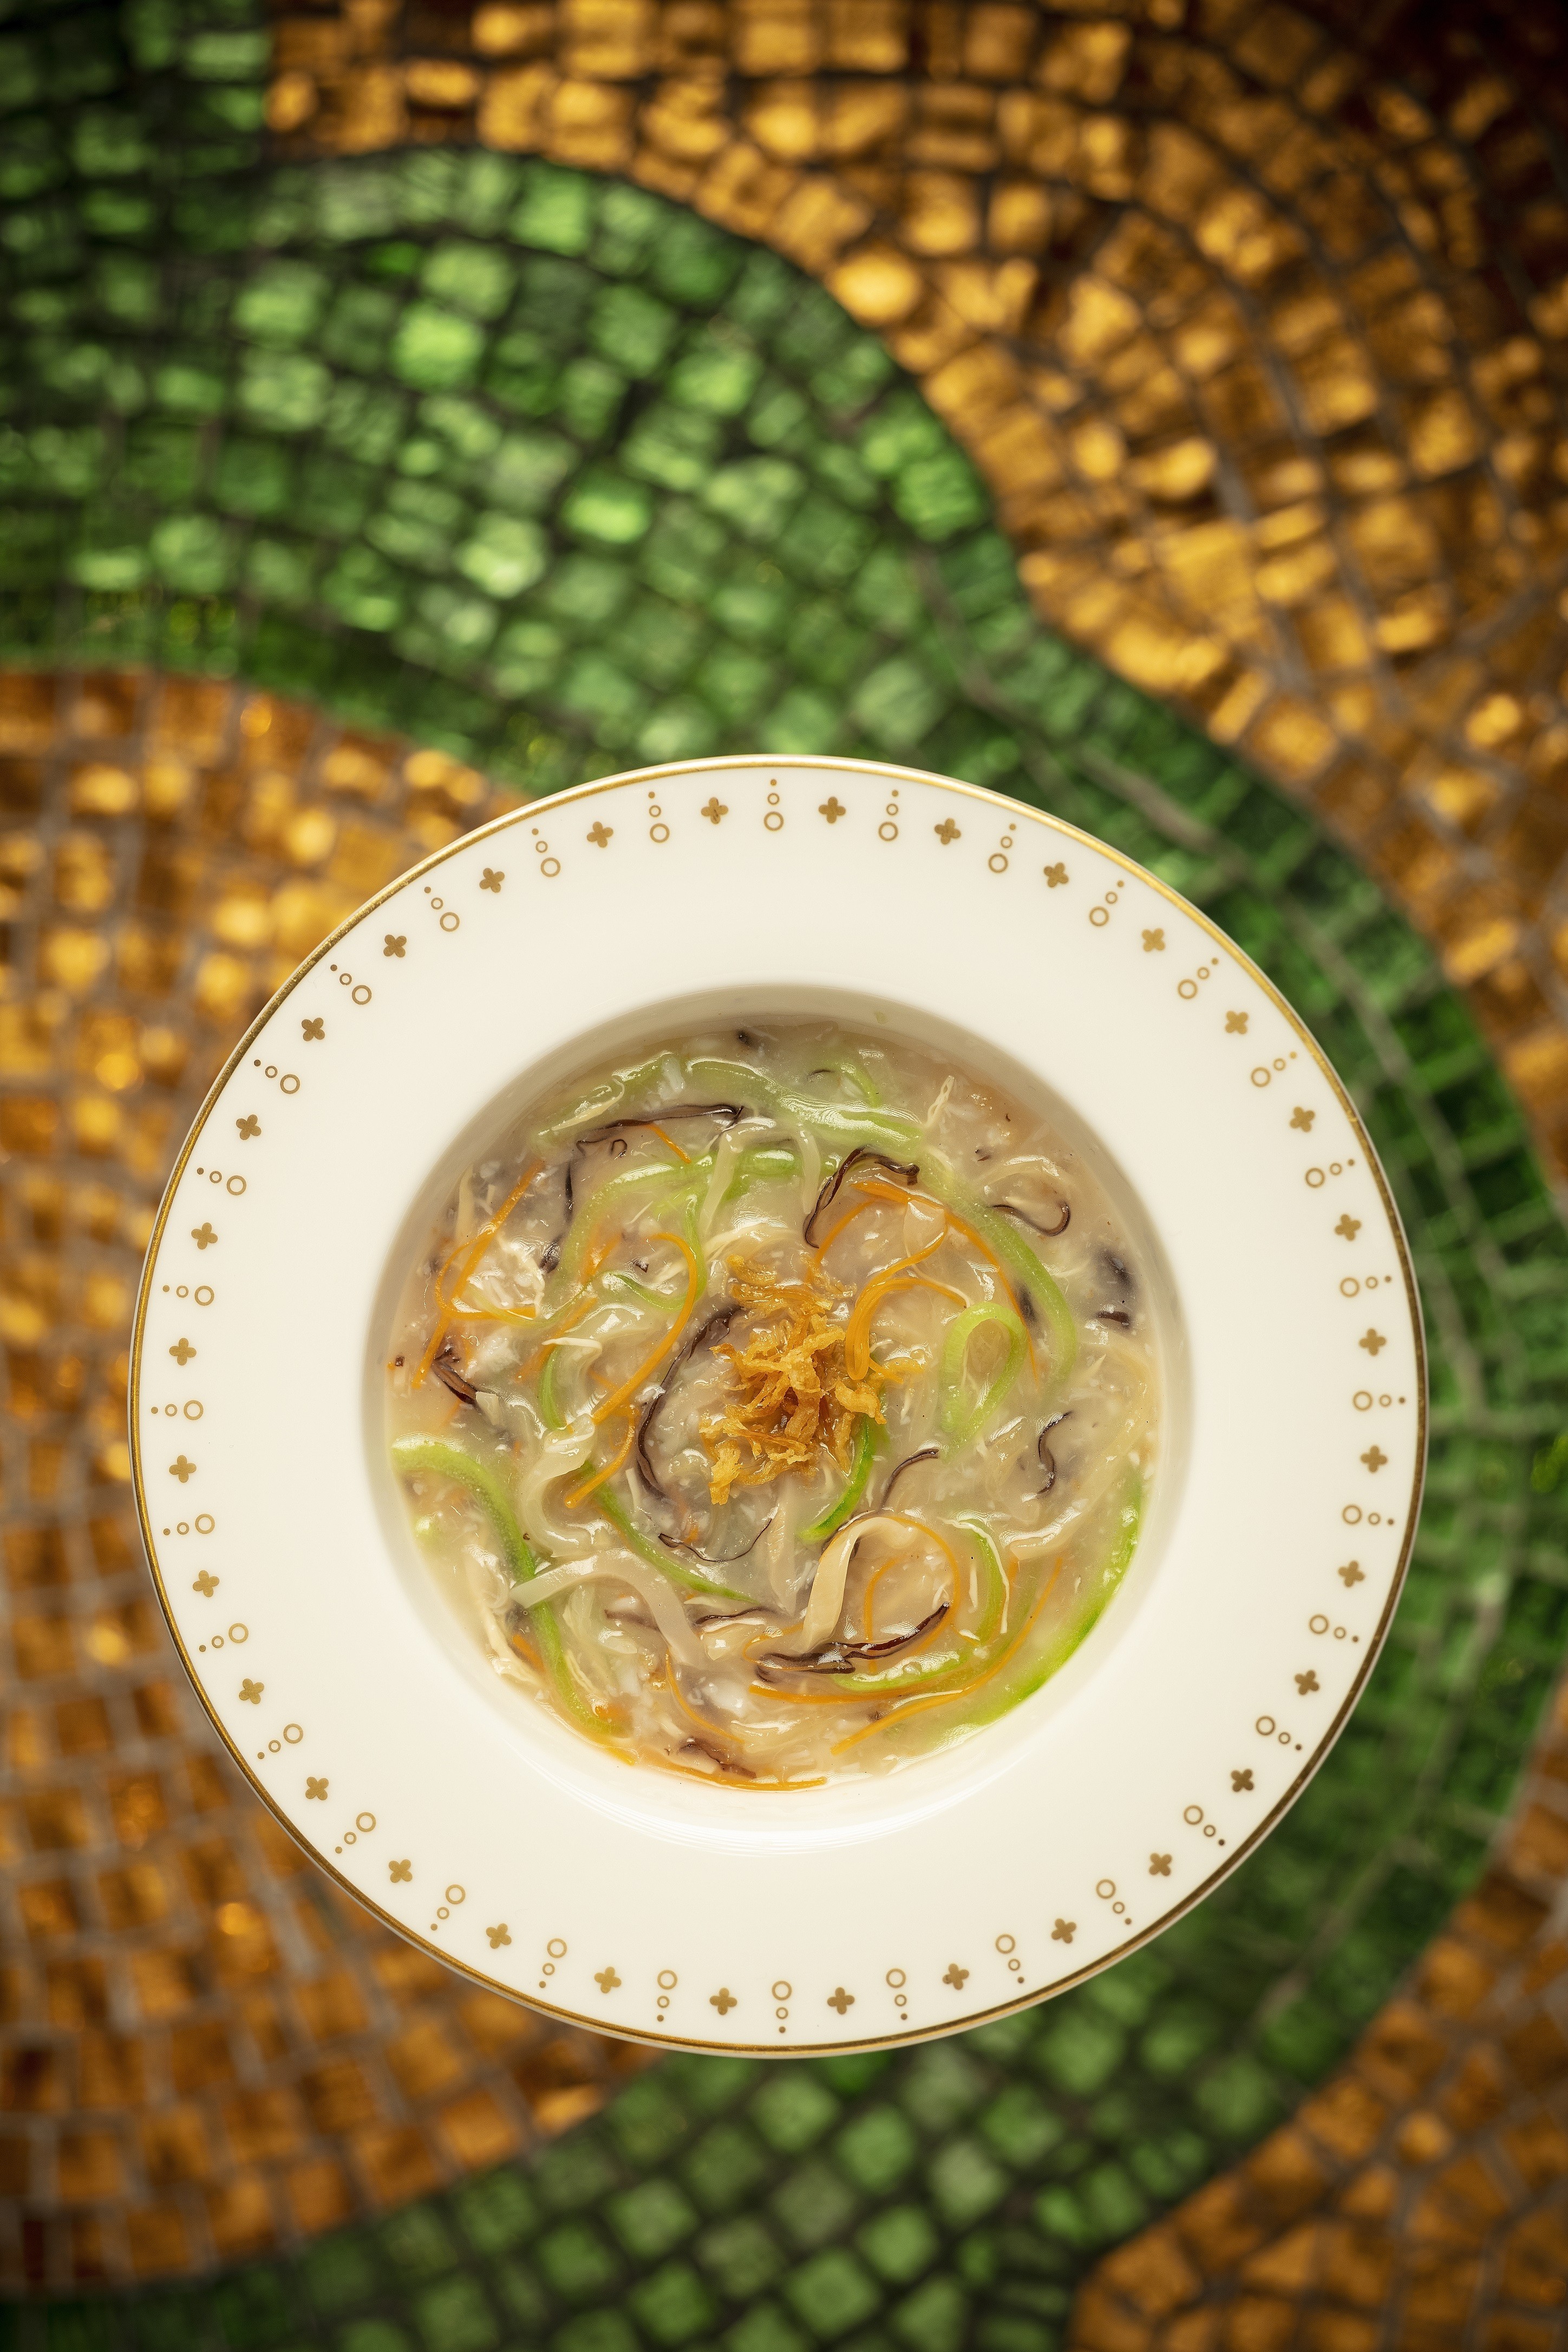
x=621 y=1567
x=730 y=1147
x=825 y=1605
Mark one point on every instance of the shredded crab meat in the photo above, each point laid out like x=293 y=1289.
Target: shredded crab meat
x=790 y=1394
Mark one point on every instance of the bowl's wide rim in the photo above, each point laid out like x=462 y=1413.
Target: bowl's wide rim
x=1015 y=811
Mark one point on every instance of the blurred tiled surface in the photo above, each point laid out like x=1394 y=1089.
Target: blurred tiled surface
x=477 y=422
x=203 y=2045
x=209 y=2056
x=1421 y=2196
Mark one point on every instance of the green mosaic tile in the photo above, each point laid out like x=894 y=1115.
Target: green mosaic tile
x=549 y=472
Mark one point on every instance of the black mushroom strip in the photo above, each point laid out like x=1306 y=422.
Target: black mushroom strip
x=1048 y=1459
x=837 y=1656
x=449 y=1373
x=926 y=1453
x=716 y=1756
x=614 y=1132
x=1051 y=1233
x=1120 y=1278
x=718 y=1321
x=907 y=1171
x=712 y=1559
x=726 y=1113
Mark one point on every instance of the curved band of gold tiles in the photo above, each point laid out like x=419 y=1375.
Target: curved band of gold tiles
x=1255 y=319
x=1255 y=322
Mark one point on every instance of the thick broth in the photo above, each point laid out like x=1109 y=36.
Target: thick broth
x=777 y=1405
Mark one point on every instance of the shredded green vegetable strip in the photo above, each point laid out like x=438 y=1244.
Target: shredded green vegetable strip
x=442 y=1460
x=655 y=1185
x=1002 y=1237
x=625 y=1088
x=995 y=1601
x=549 y=1411
x=962 y=1673
x=833 y=1518
x=668 y=1562
x=1113 y=1569
x=845 y=1123
x=959 y=1422
x=982 y=1653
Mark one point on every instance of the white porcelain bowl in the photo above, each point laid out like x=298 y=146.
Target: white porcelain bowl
x=863 y=1911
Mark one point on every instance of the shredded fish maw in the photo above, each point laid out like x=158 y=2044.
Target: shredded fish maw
x=789 y=1393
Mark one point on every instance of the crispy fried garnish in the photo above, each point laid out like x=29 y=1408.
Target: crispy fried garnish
x=790 y=1397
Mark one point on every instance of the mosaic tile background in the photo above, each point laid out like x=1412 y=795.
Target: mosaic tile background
x=1254 y=317
x=345 y=491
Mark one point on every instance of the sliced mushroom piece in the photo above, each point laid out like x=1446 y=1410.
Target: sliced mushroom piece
x=1048 y=1459
x=718 y=1321
x=839 y=1655
x=926 y=1453
x=907 y=1171
x=447 y=1372
x=1051 y=1233
x=716 y=1756
x=717 y=1559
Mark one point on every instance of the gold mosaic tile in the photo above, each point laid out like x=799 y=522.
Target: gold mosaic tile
x=1421 y=2196
x=204 y=2050
x=1218 y=297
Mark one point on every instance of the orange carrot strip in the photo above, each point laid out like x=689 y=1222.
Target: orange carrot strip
x=917 y=1706
x=684 y=1156
x=486 y=1233
x=608 y=1470
x=816 y=1698
x=573 y=1315
x=879 y=1190
x=431 y=1353
x=597 y=1252
x=476 y=1252
x=677 y=1695
x=994 y=1261
x=848 y=1218
x=896 y=1560
x=628 y=1389
x=842 y=1696
x=857 y=1330
x=916 y=1644
x=491 y=1315
x=868 y=1607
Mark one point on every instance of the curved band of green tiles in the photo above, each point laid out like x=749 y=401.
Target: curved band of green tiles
x=545 y=471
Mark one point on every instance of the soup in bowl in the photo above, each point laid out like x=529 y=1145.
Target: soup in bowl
x=776 y=1401
x=791 y=1478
